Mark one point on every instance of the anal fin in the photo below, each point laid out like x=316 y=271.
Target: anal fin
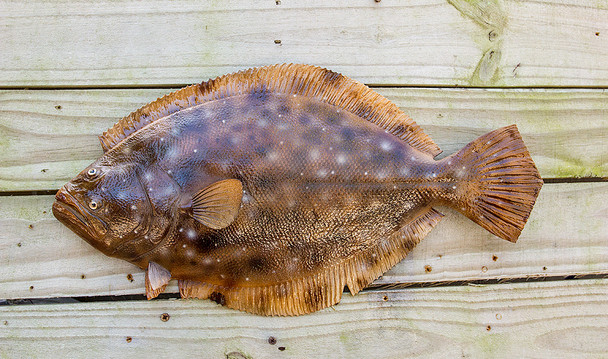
x=157 y=278
x=365 y=267
x=324 y=288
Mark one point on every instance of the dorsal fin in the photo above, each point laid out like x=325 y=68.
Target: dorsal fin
x=305 y=80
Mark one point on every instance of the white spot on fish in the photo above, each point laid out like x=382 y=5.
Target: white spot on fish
x=413 y=158
x=195 y=150
x=223 y=121
x=279 y=115
x=181 y=230
x=338 y=110
x=449 y=162
x=323 y=129
x=184 y=246
x=434 y=175
x=333 y=172
x=191 y=233
x=223 y=275
x=386 y=146
x=301 y=173
x=247 y=278
x=331 y=148
x=217 y=260
x=146 y=237
x=453 y=187
x=294 y=95
x=135 y=231
x=280 y=143
x=272 y=156
x=314 y=154
x=169 y=172
x=172 y=152
x=134 y=207
x=162 y=139
x=365 y=173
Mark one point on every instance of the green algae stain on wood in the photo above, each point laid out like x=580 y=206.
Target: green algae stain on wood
x=492 y=20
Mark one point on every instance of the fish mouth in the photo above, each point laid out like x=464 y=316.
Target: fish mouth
x=73 y=215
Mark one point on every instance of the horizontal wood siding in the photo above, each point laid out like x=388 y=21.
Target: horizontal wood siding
x=567 y=234
x=564 y=319
x=431 y=42
x=47 y=137
x=459 y=68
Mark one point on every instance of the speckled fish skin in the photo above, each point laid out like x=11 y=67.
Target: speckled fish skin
x=320 y=187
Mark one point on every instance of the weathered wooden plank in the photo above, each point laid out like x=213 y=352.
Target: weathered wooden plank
x=47 y=137
x=563 y=319
x=567 y=234
x=455 y=42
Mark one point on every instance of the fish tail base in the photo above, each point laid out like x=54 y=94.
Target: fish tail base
x=498 y=181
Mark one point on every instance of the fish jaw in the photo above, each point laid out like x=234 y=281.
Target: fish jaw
x=74 y=216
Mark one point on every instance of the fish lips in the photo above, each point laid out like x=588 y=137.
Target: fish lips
x=77 y=218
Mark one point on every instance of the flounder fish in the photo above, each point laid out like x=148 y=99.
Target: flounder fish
x=271 y=189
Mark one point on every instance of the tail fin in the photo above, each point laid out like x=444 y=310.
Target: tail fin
x=501 y=182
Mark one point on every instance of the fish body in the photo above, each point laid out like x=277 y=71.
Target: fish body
x=269 y=190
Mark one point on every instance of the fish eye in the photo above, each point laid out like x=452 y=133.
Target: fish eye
x=93 y=205
x=92 y=172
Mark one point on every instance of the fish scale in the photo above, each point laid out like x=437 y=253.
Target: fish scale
x=271 y=189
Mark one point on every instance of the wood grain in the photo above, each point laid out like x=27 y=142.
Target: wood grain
x=123 y=43
x=47 y=137
x=567 y=234
x=564 y=319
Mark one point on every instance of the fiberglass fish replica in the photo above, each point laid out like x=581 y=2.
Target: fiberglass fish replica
x=271 y=189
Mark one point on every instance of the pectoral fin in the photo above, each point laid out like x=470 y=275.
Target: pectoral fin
x=157 y=278
x=217 y=205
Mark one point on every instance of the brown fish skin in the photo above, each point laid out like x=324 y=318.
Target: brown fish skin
x=329 y=198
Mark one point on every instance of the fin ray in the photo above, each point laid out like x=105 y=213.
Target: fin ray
x=217 y=205
x=503 y=182
x=157 y=278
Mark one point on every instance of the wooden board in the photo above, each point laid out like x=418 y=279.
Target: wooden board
x=47 y=137
x=564 y=319
x=567 y=234
x=455 y=42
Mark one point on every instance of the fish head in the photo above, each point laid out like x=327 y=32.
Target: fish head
x=105 y=205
